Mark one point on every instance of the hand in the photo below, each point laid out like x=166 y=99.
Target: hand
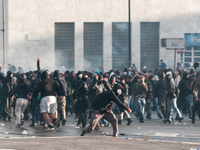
x=60 y=97
x=38 y=59
x=196 y=98
x=129 y=110
x=30 y=97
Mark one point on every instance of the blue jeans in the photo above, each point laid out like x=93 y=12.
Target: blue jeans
x=190 y=102
x=155 y=100
x=133 y=105
x=173 y=106
x=141 y=105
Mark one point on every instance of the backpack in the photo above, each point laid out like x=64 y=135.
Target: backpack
x=150 y=87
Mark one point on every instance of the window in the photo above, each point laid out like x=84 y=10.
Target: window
x=93 y=45
x=64 y=45
x=120 y=47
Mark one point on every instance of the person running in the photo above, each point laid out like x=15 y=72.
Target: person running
x=21 y=92
x=48 y=104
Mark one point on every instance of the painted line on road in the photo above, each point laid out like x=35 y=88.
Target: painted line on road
x=166 y=134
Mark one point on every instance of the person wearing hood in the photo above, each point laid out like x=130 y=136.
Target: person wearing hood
x=196 y=96
x=170 y=73
x=161 y=91
x=124 y=99
x=81 y=100
x=61 y=103
x=102 y=106
x=96 y=87
x=172 y=95
x=48 y=104
x=8 y=85
x=21 y=92
x=184 y=92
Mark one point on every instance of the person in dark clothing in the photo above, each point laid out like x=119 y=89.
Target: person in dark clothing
x=48 y=104
x=63 y=87
x=172 y=96
x=81 y=100
x=124 y=99
x=96 y=87
x=36 y=101
x=21 y=92
x=161 y=91
x=152 y=96
x=102 y=105
x=106 y=82
x=196 y=95
x=184 y=92
x=8 y=85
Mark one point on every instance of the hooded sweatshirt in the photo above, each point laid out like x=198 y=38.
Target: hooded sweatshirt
x=184 y=86
x=47 y=87
x=61 y=82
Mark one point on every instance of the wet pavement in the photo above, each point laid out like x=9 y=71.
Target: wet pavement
x=153 y=129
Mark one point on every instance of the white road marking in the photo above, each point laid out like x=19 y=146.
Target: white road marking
x=166 y=134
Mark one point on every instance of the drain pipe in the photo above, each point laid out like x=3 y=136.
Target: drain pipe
x=3 y=30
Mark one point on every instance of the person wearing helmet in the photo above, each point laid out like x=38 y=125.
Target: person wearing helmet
x=102 y=105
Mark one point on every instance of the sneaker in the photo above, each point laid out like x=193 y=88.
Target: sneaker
x=83 y=133
x=22 y=123
x=160 y=116
x=181 y=119
x=50 y=127
x=84 y=124
x=167 y=121
x=141 y=121
x=56 y=123
x=148 y=117
x=64 y=122
x=190 y=117
x=33 y=125
x=129 y=121
x=193 y=121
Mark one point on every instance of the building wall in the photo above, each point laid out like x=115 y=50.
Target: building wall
x=31 y=27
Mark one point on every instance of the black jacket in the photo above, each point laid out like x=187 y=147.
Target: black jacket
x=95 y=88
x=161 y=88
x=107 y=85
x=184 y=87
x=61 y=82
x=21 y=91
x=47 y=87
x=8 y=84
x=81 y=90
x=104 y=101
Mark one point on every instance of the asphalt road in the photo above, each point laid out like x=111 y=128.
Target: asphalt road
x=153 y=134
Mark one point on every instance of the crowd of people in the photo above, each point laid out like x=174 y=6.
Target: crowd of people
x=98 y=96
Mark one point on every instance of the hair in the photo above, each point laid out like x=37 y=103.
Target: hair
x=151 y=76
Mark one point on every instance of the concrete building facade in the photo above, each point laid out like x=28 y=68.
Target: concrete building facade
x=96 y=32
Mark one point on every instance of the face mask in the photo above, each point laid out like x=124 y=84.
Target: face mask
x=80 y=75
x=84 y=79
x=119 y=91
